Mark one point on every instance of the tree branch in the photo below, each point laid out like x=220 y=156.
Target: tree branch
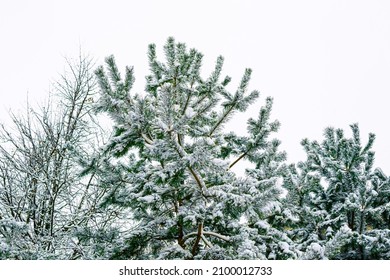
x=237 y=160
x=221 y=120
x=210 y=233
x=198 y=238
x=147 y=139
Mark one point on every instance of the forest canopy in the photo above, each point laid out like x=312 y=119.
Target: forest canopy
x=160 y=184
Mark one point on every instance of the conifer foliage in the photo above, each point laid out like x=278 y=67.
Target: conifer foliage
x=342 y=201
x=162 y=186
x=175 y=160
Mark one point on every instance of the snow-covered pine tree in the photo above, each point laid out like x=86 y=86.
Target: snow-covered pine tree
x=305 y=201
x=266 y=215
x=342 y=201
x=169 y=162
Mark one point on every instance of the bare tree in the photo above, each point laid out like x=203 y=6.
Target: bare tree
x=45 y=205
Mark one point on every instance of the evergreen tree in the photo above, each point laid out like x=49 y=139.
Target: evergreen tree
x=169 y=163
x=342 y=201
x=162 y=185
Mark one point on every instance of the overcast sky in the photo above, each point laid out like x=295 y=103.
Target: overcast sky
x=326 y=63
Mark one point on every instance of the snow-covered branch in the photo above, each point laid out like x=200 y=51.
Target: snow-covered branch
x=210 y=233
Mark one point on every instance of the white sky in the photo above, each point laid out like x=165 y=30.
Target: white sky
x=326 y=63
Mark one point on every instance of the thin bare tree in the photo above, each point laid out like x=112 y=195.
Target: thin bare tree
x=46 y=207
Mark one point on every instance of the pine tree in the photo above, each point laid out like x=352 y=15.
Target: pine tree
x=342 y=201
x=169 y=163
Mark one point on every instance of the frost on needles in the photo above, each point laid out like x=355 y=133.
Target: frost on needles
x=169 y=163
x=341 y=201
x=175 y=160
x=161 y=185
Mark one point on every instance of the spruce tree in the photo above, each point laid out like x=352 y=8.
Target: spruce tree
x=169 y=163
